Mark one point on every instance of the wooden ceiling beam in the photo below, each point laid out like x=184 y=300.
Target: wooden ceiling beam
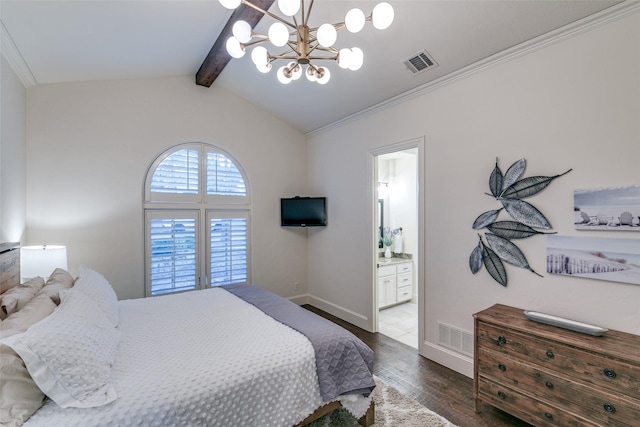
x=218 y=56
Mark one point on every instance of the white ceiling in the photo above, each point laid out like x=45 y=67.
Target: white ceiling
x=62 y=41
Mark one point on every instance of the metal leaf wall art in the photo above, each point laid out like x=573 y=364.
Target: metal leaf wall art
x=509 y=189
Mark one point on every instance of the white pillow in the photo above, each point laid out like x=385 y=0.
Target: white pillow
x=70 y=353
x=94 y=285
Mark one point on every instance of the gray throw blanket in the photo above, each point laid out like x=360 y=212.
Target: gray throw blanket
x=343 y=362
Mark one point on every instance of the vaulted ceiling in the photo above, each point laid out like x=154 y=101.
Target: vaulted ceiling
x=62 y=41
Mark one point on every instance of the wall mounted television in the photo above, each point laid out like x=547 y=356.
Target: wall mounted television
x=303 y=212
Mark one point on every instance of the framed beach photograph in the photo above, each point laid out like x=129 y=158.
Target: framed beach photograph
x=615 y=260
x=614 y=209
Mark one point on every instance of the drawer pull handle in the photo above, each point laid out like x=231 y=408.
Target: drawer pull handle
x=501 y=395
x=501 y=340
x=610 y=373
x=502 y=367
x=549 y=354
x=548 y=416
x=609 y=408
x=549 y=384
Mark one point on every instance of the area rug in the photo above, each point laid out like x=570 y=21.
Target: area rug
x=393 y=409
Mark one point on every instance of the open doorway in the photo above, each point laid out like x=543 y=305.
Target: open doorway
x=398 y=246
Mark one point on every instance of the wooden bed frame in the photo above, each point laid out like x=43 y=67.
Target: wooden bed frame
x=10 y=277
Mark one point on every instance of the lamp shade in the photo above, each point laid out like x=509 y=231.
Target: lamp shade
x=41 y=260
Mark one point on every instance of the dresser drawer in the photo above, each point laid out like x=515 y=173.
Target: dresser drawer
x=590 y=368
x=386 y=270
x=405 y=279
x=529 y=409
x=607 y=408
x=404 y=293
x=405 y=267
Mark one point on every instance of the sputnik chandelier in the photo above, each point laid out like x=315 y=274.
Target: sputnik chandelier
x=305 y=44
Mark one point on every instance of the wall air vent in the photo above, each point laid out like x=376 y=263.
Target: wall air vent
x=420 y=62
x=455 y=339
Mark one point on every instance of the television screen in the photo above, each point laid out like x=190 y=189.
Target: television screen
x=303 y=212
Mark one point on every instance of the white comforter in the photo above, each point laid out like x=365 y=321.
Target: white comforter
x=202 y=358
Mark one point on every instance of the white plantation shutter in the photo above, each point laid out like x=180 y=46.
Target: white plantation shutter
x=178 y=173
x=187 y=185
x=223 y=177
x=228 y=240
x=172 y=255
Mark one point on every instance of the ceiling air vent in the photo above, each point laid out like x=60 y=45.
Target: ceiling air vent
x=420 y=62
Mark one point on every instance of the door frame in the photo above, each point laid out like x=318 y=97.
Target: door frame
x=372 y=177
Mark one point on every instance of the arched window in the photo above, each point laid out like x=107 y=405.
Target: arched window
x=197 y=220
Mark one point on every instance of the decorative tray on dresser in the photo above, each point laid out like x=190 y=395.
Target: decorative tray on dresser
x=549 y=376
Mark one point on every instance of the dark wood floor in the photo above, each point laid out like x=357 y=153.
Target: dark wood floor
x=440 y=389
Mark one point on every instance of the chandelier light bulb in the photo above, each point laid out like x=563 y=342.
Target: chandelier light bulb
x=327 y=35
x=324 y=75
x=230 y=4
x=242 y=31
x=260 y=56
x=282 y=77
x=357 y=58
x=278 y=34
x=235 y=49
x=289 y=7
x=296 y=70
x=382 y=15
x=345 y=58
x=354 y=20
x=264 y=68
x=311 y=74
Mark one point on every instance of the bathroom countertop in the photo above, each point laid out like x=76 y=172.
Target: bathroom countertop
x=394 y=260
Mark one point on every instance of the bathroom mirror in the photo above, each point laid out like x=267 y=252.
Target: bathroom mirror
x=380 y=221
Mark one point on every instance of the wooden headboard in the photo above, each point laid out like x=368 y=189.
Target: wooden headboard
x=9 y=265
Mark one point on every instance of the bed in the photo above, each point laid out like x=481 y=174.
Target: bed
x=228 y=356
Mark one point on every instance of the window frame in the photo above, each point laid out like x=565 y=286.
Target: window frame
x=164 y=203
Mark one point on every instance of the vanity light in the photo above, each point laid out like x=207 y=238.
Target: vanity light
x=383 y=189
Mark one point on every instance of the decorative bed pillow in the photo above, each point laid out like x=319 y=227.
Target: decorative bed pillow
x=59 y=280
x=20 y=396
x=94 y=285
x=70 y=353
x=34 y=311
x=15 y=298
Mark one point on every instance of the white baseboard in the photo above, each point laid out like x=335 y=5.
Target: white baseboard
x=448 y=358
x=343 y=313
x=300 y=299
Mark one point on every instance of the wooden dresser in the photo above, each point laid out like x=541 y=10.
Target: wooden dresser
x=549 y=376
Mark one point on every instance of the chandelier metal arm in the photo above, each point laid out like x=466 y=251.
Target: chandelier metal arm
x=261 y=39
x=283 y=56
x=266 y=12
x=306 y=21
x=323 y=57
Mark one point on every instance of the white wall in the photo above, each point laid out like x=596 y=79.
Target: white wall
x=572 y=104
x=89 y=147
x=13 y=170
